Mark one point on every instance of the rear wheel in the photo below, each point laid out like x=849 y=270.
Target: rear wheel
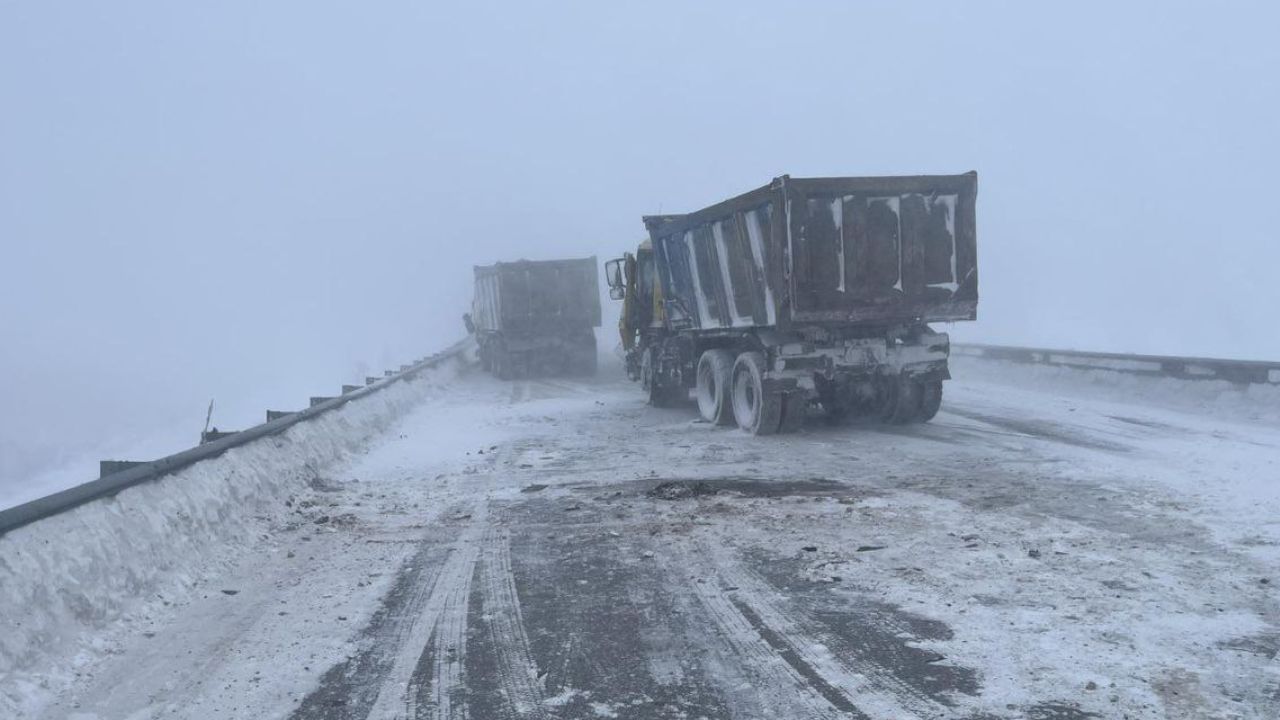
x=930 y=399
x=795 y=406
x=835 y=405
x=756 y=411
x=901 y=401
x=714 y=378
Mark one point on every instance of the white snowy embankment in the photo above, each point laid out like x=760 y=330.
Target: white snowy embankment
x=66 y=581
x=1218 y=398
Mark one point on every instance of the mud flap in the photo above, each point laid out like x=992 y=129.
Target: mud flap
x=795 y=405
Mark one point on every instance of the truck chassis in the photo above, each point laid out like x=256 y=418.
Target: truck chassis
x=765 y=381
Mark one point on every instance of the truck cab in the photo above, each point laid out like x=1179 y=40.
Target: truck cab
x=633 y=279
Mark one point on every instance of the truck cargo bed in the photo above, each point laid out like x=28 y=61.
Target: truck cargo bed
x=537 y=296
x=824 y=250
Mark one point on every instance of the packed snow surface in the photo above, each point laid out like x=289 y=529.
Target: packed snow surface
x=1051 y=546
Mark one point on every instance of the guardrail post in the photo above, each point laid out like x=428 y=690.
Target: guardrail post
x=369 y=379
x=209 y=436
x=277 y=414
x=349 y=389
x=319 y=399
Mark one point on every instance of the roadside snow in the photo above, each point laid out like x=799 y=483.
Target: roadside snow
x=1220 y=462
x=1217 y=398
x=72 y=585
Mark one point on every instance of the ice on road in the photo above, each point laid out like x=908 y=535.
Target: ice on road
x=556 y=549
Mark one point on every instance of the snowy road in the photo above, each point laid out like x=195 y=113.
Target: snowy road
x=555 y=549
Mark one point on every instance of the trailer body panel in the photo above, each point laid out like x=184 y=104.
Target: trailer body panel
x=537 y=317
x=528 y=297
x=823 y=250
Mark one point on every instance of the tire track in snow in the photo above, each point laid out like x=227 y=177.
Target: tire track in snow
x=777 y=672
x=565 y=388
x=589 y=600
x=880 y=692
x=517 y=673
x=349 y=690
x=398 y=692
x=444 y=697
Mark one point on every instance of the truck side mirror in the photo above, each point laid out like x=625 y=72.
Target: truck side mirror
x=613 y=276
x=466 y=320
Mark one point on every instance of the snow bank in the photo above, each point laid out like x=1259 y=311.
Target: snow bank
x=1258 y=403
x=67 y=581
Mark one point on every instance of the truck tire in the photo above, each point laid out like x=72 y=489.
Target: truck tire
x=836 y=414
x=714 y=378
x=647 y=381
x=795 y=405
x=930 y=399
x=758 y=412
x=901 y=401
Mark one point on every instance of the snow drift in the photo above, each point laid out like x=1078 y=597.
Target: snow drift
x=1215 y=398
x=66 y=581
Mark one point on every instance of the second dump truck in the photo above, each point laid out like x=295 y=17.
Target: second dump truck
x=536 y=318
x=804 y=292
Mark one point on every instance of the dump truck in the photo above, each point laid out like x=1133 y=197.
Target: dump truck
x=536 y=318
x=805 y=293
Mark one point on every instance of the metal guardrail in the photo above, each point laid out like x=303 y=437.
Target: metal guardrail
x=1239 y=372
x=41 y=508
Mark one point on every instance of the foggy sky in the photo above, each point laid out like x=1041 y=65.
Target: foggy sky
x=256 y=202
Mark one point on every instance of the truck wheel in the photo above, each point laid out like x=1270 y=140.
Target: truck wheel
x=901 y=401
x=756 y=411
x=795 y=406
x=836 y=414
x=930 y=399
x=715 y=375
